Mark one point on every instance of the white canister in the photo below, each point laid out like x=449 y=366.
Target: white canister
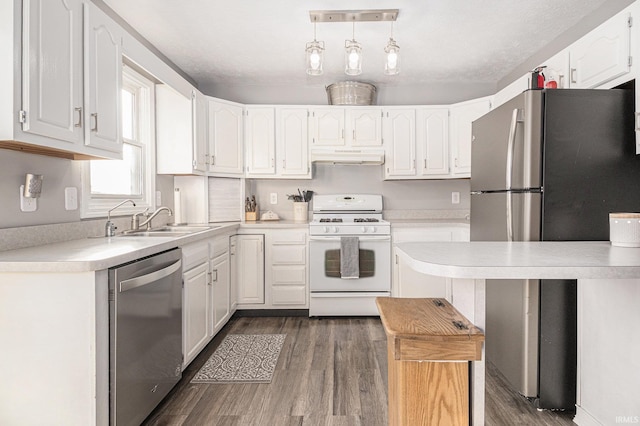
x=300 y=211
x=624 y=229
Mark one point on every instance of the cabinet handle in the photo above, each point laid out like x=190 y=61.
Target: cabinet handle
x=354 y=134
x=213 y=160
x=455 y=162
x=214 y=277
x=284 y=164
x=572 y=75
x=273 y=162
x=342 y=133
x=210 y=280
x=95 y=120
x=79 y=122
x=425 y=163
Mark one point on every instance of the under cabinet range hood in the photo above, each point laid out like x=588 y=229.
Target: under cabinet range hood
x=348 y=156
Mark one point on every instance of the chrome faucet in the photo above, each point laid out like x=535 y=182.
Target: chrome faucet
x=154 y=214
x=135 y=219
x=110 y=227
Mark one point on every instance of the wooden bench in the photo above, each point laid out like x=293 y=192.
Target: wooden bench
x=429 y=346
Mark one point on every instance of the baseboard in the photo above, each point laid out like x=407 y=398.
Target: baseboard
x=271 y=313
x=583 y=418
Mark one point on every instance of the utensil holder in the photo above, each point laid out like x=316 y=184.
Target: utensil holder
x=300 y=211
x=251 y=216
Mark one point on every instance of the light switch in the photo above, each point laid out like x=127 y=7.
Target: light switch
x=71 y=198
x=273 y=198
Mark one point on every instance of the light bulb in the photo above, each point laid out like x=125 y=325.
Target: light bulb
x=314 y=59
x=353 y=59
x=392 y=60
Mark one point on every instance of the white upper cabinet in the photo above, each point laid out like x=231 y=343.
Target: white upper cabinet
x=400 y=143
x=603 y=54
x=52 y=79
x=432 y=131
x=292 y=143
x=336 y=126
x=103 y=81
x=181 y=132
x=364 y=126
x=260 y=141
x=327 y=126
x=70 y=80
x=460 y=119
x=199 y=116
x=226 y=139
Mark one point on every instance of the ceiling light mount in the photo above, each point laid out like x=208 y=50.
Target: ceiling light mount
x=353 y=15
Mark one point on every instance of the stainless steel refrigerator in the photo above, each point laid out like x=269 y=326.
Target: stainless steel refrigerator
x=549 y=165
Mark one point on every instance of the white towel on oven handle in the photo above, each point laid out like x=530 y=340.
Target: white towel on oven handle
x=349 y=258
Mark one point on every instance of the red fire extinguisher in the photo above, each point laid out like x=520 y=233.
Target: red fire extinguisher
x=537 y=78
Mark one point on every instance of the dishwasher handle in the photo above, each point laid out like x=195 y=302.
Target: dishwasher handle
x=152 y=277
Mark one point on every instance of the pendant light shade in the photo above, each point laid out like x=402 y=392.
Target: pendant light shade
x=314 y=55
x=352 y=55
x=392 y=56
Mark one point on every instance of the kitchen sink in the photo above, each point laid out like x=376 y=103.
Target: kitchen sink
x=168 y=231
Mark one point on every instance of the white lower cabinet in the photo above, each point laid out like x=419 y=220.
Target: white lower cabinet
x=250 y=268
x=219 y=275
x=233 y=274
x=196 y=305
x=287 y=266
x=409 y=283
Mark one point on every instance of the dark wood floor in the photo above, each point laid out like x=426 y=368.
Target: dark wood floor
x=331 y=371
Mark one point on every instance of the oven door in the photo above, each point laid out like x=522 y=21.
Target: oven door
x=375 y=265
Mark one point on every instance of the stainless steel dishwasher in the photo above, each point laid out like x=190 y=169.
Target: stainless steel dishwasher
x=145 y=328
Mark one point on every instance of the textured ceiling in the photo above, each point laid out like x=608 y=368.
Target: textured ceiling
x=261 y=43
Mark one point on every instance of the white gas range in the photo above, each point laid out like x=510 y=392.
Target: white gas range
x=350 y=255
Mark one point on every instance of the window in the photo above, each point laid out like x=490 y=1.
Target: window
x=108 y=182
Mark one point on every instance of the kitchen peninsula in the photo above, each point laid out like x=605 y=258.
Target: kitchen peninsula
x=608 y=295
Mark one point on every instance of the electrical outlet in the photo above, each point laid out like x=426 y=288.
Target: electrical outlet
x=455 y=198
x=158 y=198
x=27 y=204
x=273 y=198
x=71 y=198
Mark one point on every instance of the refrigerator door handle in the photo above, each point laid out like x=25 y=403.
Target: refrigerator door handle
x=516 y=118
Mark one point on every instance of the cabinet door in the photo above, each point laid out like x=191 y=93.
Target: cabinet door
x=250 y=267
x=260 y=140
x=433 y=142
x=400 y=143
x=233 y=274
x=601 y=55
x=327 y=127
x=293 y=143
x=199 y=115
x=226 y=139
x=195 y=312
x=174 y=132
x=103 y=81
x=460 y=119
x=52 y=91
x=364 y=126
x=220 y=292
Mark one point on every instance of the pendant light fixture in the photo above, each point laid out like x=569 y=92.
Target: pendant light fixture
x=392 y=56
x=314 y=53
x=352 y=55
x=352 y=49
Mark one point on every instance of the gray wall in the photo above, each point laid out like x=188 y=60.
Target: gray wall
x=58 y=174
x=397 y=195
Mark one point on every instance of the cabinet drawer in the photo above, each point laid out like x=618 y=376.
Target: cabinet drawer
x=289 y=275
x=289 y=237
x=218 y=246
x=194 y=254
x=289 y=295
x=289 y=255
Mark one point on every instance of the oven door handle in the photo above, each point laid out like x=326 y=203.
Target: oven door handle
x=360 y=237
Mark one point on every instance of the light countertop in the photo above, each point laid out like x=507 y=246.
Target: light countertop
x=522 y=260
x=93 y=254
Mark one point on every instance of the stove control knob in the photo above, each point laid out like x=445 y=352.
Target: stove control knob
x=372 y=229
x=364 y=229
x=336 y=229
x=325 y=229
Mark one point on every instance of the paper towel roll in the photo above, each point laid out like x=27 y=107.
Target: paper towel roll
x=177 y=206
